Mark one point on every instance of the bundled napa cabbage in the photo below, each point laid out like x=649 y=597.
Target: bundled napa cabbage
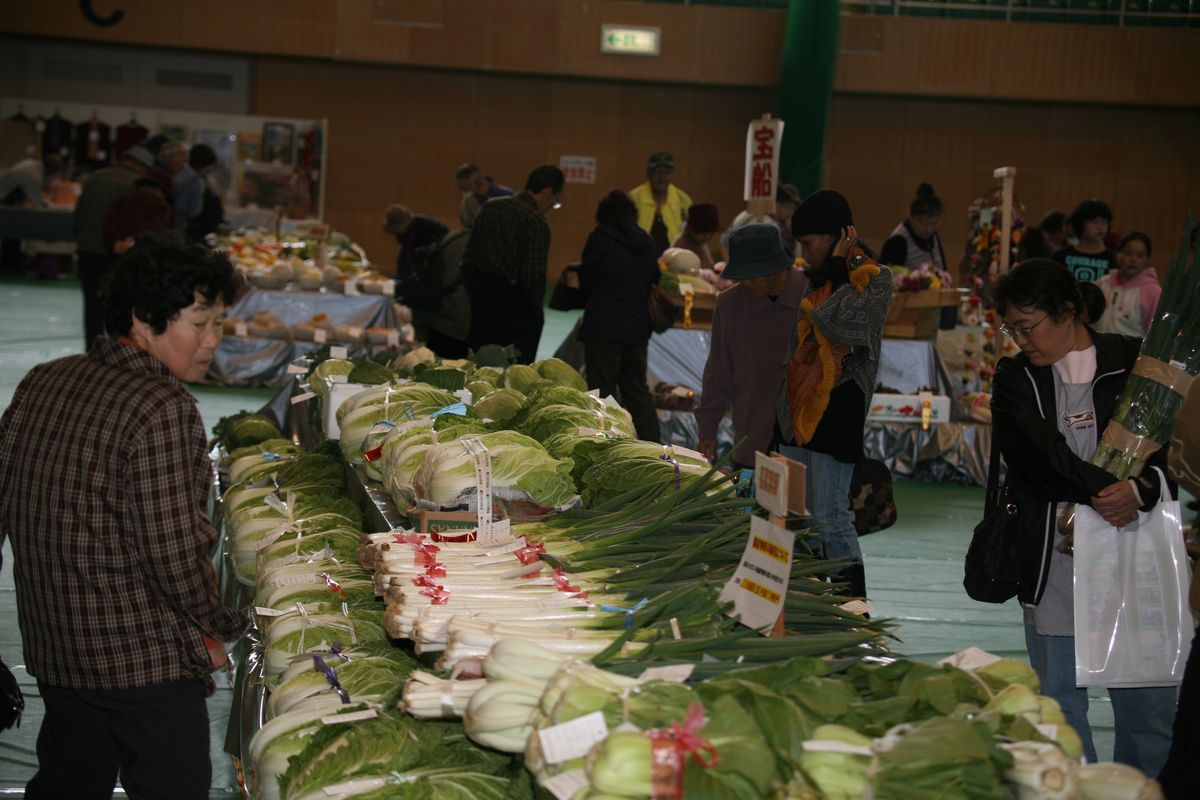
x=447 y=476
x=500 y=404
x=611 y=477
x=521 y=377
x=417 y=759
x=548 y=420
x=372 y=675
x=410 y=360
x=245 y=428
x=296 y=635
x=256 y=526
x=386 y=437
x=591 y=451
x=560 y=372
x=318 y=379
x=387 y=405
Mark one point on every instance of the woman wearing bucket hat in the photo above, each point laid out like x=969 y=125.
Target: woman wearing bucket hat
x=752 y=328
x=822 y=408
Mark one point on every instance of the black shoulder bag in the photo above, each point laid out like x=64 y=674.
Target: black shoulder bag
x=12 y=703
x=991 y=568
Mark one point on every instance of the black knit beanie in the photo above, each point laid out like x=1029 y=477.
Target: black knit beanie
x=824 y=212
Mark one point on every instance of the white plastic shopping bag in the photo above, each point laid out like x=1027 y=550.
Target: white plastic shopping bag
x=1132 y=622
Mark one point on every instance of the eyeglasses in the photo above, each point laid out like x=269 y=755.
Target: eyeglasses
x=1013 y=333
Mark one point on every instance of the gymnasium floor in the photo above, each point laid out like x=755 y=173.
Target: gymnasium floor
x=913 y=569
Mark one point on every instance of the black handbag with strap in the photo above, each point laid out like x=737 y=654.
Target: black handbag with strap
x=568 y=295
x=872 y=502
x=12 y=702
x=991 y=570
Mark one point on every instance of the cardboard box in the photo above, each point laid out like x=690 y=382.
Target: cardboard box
x=908 y=408
x=427 y=521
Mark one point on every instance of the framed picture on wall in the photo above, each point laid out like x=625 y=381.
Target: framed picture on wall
x=278 y=142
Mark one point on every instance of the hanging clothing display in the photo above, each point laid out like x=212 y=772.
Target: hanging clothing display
x=127 y=136
x=57 y=135
x=93 y=144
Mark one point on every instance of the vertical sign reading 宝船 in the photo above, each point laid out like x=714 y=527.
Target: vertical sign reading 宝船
x=763 y=140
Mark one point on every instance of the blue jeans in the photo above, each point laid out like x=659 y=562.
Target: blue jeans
x=1142 y=717
x=828 y=486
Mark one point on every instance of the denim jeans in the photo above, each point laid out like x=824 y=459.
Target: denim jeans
x=1142 y=717
x=828 y=486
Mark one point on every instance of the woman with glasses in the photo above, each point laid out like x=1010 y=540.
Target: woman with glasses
x=1049 y=404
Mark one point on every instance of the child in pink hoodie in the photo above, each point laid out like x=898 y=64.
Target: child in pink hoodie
x=1132 y=289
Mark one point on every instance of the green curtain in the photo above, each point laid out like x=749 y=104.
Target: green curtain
x=805 y=85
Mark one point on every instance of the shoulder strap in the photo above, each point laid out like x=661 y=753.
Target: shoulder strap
x=993 y=479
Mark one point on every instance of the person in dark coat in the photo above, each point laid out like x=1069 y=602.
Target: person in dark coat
x=616 y=272
x=1050 y=404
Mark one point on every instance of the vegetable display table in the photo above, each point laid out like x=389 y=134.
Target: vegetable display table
x=252 y=360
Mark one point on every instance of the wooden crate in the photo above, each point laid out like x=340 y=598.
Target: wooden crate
x=915 y=315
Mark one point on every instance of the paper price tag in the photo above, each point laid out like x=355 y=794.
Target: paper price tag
x=389 y=287
x=320 y=336
x=263 y=611
x=566 y=785
x=300 y=398
x=483 y=487
x=678 y=673
x=856 y=607
x=393 y=338
x=337 y=378
x=350 y=287
x=339 y=352
x=353 y=716
x=758 y=587
x=357 y=786
x=240 y=329
x=572 y=739
x=297 y=369
x=675 y=629
x=498 y=532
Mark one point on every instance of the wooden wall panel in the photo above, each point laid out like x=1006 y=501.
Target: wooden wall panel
x=397 y=134
x=1144 y=162
x=1019 y=60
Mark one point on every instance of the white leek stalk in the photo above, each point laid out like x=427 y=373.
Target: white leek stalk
x=1040 y=771
x=427 y=696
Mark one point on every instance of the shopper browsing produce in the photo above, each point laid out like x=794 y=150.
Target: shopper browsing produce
x=616 y=271
x=831 y=372
x=1048 y=405
x=104 y=480
x=752 y=329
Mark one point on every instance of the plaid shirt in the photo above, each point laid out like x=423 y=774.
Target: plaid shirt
x=104 y=479
x=511 y=239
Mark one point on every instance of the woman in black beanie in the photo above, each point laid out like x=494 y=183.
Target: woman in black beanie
x=831 y=373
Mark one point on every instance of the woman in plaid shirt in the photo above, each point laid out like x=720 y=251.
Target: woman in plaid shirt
x=104 y=478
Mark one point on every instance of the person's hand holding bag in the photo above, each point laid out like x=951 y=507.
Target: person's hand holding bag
x=1117 y=503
